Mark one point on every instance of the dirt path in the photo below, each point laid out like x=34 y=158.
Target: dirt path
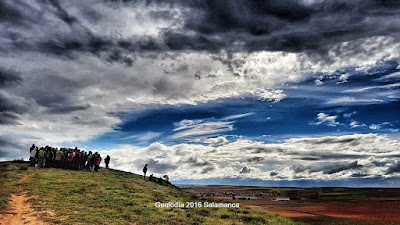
x=21 y=211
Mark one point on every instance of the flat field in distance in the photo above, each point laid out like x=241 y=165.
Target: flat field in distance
x=326 y=205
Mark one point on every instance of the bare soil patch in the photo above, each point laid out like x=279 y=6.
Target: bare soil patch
x=21 y=211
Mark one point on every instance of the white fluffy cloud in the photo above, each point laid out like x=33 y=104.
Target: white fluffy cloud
x=329 y=157
x=374 y=127
x=327 y=120
x=216 y=141
x=355 y=124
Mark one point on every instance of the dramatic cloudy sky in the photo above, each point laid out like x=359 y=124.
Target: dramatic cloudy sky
x=279 y=92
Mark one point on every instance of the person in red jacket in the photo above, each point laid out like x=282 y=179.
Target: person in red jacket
x=71 y=156
x=98 y=160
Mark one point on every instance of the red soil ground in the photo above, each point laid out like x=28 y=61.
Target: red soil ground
x=372 y=210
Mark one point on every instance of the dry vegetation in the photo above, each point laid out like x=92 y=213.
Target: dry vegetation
x=116 y=197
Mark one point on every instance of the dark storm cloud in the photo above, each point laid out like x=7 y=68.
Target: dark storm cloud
x=197 y=42
x=337 y=167
x=68 y=109
x=117 y=56
x=395 y=168
x=84 y=42
x=11 y=107
x=211 y=25
x=62 y=13
x=359 y=175
x=12 y=12
x=333 y=140
x=9 y=77
x=55 y=93
x=289 y=25
x=52 y=91
x=78 y=42
x=9 y=148
x=67 y=42
x=327 y=169
x=8 y=118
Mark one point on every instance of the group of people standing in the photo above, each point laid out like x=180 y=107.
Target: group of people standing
x=66 y=158
x=164 y=179
x=75 y=159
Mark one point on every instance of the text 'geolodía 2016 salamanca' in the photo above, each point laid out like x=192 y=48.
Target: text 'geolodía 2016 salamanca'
x=196 y=205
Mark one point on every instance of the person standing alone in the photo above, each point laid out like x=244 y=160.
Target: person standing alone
x=145 y=171
x=107 y=161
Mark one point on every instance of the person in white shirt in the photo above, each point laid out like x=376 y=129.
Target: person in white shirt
x=32 y=158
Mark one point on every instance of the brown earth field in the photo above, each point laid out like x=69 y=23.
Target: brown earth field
x=385 y=211
x=316 y=205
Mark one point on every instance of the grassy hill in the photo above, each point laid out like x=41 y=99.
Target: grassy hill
x=113 y=197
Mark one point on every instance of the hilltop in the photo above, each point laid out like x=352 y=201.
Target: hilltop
x=109 y=197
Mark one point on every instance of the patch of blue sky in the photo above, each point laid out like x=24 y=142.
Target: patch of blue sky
x=308 y=109
x=267 y=121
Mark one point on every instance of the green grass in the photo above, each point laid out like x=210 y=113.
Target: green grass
x=116 y=197
x=9 y=175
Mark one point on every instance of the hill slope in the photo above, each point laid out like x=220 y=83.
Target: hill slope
x=113 y=197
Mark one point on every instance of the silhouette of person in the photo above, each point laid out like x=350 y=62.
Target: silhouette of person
x=107 y=161
x=145 y=171
x=166 y=178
